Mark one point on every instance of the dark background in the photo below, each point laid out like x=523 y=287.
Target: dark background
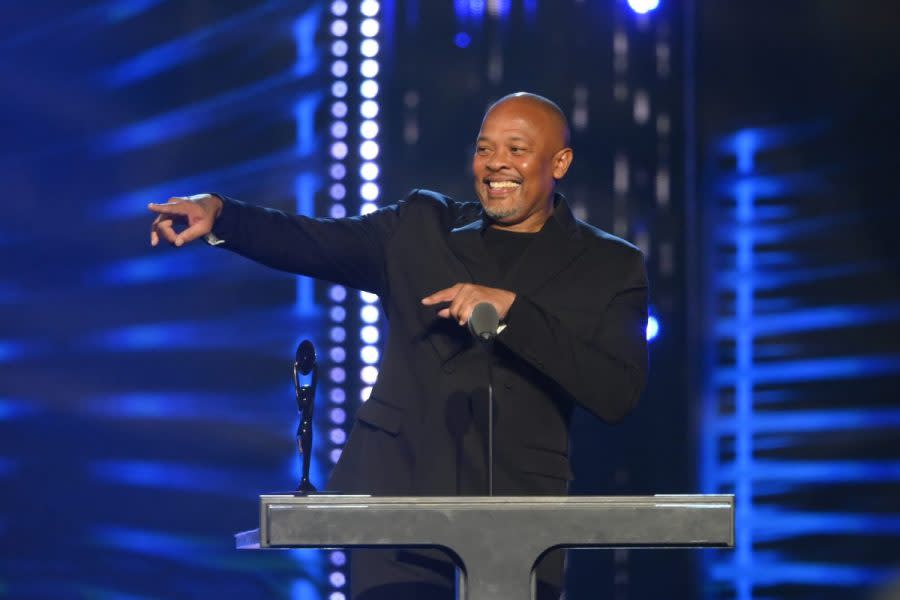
x=748 y=147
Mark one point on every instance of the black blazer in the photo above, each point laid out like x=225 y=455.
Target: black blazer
x=576 y=333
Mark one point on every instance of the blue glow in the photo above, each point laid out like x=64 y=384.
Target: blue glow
x=642 y=7
x=305 y=186
x=12 y=350
x=154 y=543
x=462 y=39
x=8 y=466
x=461 y=7
x=652 y=327
x=531 y=9
x=821 y=369
x=84 y=20
x=168 y=475
x=303 y=589
x=157 y=267
x=183 y=121
x=305 y=28
x=769 y=573
x=133 y=204
x=811 y=319
x=304 y=118
x=14 y=409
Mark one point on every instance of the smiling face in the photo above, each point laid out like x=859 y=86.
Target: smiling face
x=520 y=153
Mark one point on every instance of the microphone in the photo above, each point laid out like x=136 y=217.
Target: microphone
x=484 y=322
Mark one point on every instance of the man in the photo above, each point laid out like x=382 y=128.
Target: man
x=572 y=302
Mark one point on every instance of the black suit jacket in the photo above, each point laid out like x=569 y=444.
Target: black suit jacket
x=575 y=333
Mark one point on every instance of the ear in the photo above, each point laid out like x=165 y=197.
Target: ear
x=561 y=162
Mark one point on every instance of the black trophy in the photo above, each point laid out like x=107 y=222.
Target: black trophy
x=304 y=364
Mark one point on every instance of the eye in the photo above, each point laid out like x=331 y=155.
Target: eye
x=481 y=150
x=517 y=150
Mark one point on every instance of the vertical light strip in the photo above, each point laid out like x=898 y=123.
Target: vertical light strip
x=337 y=294
x=369 y=171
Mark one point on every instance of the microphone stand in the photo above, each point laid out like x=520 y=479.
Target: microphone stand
x=483 y=324
x=304 y=364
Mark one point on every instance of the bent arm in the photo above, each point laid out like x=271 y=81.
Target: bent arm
x=604 y=371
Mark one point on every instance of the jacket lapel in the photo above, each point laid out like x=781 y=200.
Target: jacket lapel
x=557 y=244
x=554 y=248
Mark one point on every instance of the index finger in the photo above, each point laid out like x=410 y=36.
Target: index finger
x=444 y=295
x=169 y=208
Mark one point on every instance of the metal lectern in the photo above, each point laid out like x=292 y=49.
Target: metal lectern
x=496 y=541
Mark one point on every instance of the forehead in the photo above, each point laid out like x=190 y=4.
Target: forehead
x=518 y=119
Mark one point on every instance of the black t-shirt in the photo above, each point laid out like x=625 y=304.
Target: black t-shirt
x=506 y=246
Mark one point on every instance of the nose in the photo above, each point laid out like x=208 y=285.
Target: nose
x=497 y=160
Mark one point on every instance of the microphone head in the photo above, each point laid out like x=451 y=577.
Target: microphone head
x=484 y=321
x=305 y=357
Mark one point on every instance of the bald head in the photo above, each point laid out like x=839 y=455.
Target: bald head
x=557 y=126
x=521 y=152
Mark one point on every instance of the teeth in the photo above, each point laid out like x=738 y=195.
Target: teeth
x=502 y=184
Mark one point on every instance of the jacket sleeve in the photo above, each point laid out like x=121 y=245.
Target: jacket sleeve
x=349 y=251
x=604 y=369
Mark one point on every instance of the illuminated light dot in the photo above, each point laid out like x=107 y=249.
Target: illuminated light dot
x=368 y=150
x=369 y=7
x=337 y=595
x=368 y=297
x=368 y=88
x=339 y=150
x=337 y=375
x=365 y=393
x=368 y=68
x=337 y=436
x=339 y=48
x=337 y=171
x=338 y=314
x=335 y=455
x=369 y=355
x=367 y=208
x=339 y=109
x=369 y=27
x=339 y=68
x=462 y=39
x=339 y=8
x=369 y=313
x=339 y=89
x=337 y=395
x=337 y=558
x=337 y=354
x=337 y=191
x=339 y=28
x=337 y=334
x=337 y=416
x=369 y=48
x=337 y=211
x=338 y=129
x=368 y=129
x=368 y=171
x=369 y=375
x=369 y=334
x=652 y=327
x=368 y=109
x=369 y=191
x=338 y=293
x=642 y=7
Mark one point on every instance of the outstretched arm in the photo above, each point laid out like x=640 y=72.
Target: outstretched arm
x=347 y=251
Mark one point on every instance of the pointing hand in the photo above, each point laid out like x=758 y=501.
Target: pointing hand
x=197 y=212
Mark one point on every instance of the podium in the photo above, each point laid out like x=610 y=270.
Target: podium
x=496 y=541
